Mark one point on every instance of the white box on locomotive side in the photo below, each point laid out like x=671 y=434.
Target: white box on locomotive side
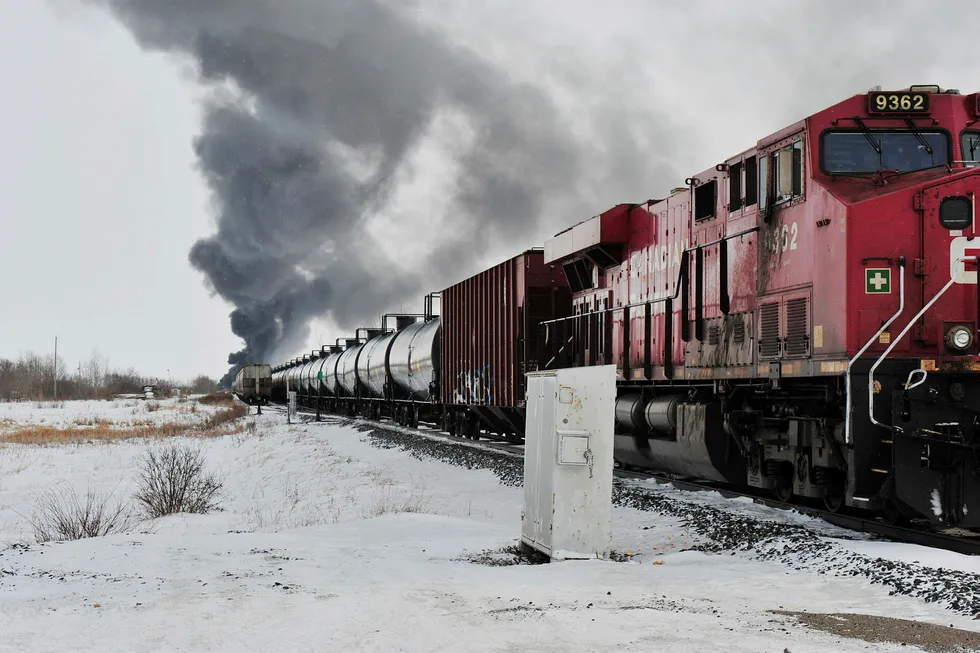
x=568 y=462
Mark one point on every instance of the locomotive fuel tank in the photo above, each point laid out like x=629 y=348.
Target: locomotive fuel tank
x=371 y=364
x=347 y=369
x=677 y=437
x=414 y=358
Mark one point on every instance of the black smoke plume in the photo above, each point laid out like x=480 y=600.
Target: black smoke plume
x=305 y=90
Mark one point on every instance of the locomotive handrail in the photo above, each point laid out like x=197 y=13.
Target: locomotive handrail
x=677 y=291
x=850 y=363
x=682 y=285
x=871 y=374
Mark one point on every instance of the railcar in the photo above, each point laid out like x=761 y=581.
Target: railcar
x=253 y=384
x=802 y=317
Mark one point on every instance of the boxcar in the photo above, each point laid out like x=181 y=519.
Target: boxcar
x=490 y=340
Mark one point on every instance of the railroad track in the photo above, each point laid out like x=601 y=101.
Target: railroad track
x=964 y=542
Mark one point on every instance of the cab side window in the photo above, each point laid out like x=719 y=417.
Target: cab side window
x=786 y=180
x=743 y=184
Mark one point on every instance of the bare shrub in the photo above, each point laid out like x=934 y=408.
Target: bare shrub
x=173 y=480
x=61 y=515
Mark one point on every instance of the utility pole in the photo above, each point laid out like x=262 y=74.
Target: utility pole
x=56 y=368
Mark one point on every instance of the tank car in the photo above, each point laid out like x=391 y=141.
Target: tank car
x=390 y=371
x=253 y=384
x=802 y=317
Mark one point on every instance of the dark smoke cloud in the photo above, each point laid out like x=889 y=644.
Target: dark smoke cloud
x=290 y=244
x=316 y=81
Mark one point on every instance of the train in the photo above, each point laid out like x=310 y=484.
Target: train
x=800 y=319
x=253 y=384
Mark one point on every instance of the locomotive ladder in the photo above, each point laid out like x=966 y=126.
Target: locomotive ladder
x=909 y=383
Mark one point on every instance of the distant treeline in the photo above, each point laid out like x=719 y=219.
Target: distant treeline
x=31 y=377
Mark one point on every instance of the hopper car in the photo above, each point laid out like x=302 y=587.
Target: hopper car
x=801 y=318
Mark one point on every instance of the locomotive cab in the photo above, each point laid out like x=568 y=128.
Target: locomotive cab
x=908 y=178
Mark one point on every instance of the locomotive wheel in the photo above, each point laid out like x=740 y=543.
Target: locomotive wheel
x=833 y=500
x=893 y=515
x=783 y=490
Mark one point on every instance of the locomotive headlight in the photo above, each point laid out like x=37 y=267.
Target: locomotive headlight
x=959 y=338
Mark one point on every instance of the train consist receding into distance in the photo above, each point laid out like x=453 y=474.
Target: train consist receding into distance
x=253 y=384
x=800 y=318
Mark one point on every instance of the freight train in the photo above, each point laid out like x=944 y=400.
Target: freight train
x=800 y=319
x=253 y=384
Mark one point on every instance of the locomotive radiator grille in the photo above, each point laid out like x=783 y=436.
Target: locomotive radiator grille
x=713 y=334
x=738 y=331
x=769 y=331
x=797 y=331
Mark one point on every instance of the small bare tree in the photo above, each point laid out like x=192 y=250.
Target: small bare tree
x=173 y=480
x=62 y=515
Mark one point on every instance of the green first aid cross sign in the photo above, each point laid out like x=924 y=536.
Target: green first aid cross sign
x=877 y=281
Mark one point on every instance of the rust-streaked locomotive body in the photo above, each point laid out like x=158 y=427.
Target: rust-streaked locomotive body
x=803 y=316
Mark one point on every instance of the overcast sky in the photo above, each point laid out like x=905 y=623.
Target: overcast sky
x=102 y=197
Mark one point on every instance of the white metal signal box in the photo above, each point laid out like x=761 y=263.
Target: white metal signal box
x=568 y=462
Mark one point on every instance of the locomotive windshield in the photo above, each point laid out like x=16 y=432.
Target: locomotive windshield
x=855 y=151
x=970 y=144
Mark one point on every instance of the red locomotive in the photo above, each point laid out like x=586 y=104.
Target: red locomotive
x=801 y=318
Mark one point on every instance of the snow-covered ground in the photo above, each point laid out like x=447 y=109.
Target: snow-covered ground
x=326 y=542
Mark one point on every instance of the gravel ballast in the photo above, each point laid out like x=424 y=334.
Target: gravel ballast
x=870 y=628
x=720 y=531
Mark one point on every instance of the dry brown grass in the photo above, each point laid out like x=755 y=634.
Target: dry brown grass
x=222 y=422
x=93 y=422
x=225 y=399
